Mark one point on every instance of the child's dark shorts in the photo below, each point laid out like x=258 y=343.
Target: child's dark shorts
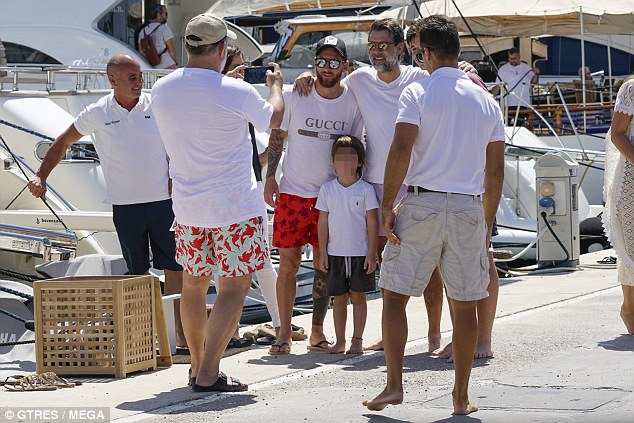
x=347 y=274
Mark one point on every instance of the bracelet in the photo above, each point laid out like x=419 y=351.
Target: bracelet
x=356 y=337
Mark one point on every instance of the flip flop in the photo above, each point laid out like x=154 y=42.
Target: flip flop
x=298 y=334
x=281 y=349
x=266 y=330
x=320 y=346
x=222 y=385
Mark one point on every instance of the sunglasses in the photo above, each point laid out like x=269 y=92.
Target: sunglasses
x=332 y=63
x=419 y=57
x=381 y=46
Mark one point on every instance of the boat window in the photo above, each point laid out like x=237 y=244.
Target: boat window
x=122 y=20
x=302 y=53
x=18 y=54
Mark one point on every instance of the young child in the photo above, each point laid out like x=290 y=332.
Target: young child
x=348 y=228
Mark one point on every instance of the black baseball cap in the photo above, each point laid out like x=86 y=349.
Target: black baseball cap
x=332 y=42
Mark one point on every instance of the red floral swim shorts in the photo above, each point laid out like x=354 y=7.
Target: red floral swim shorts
x=235 y=250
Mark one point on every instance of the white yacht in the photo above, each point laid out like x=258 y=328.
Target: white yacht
x=40 y=100
x=56 y=66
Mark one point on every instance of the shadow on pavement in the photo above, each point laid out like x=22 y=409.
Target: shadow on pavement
x=223 y=401
x=423 y=361
x=378 y=418
x=623 y=342
x=456 y=419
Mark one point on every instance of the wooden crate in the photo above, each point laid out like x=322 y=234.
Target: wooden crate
x=96 y=325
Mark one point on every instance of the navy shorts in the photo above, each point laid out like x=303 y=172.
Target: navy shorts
x=347 y=274
x=494 y=229
x=145 y=225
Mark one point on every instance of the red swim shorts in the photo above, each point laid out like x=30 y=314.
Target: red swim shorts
x=295 y=222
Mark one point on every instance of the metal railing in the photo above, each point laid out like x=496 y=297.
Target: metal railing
x=77 y=78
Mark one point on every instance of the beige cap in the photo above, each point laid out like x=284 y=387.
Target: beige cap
x=207 y=29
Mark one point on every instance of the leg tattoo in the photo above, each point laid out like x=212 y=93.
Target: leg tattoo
x=321 y=301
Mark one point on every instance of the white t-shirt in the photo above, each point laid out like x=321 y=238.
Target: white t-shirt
x=518 y=81
x=160 y=36
x=203 y=118
x=378 y=103
x=130 y=150
x=347 y=210
x=456 y=120
x=313 y=124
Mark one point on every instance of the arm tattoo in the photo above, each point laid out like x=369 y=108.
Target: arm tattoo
x=276 y=143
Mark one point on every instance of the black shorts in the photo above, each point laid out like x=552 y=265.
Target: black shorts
x=339 y=282
x=145 y=225
x=494 y=229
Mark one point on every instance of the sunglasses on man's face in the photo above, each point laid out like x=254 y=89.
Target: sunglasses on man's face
x=381 y=46
x=332 y=63
x=419 y=57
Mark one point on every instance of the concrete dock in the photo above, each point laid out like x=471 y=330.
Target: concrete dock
x=561 y=354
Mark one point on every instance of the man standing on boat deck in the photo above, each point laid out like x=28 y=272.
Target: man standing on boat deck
x=518 y=77
x=161 y=35
x=135 y=168
x=311 y=124
x=219 y=226
x=455 y=174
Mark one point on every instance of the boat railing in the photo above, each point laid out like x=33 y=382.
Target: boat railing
x=78 y=78
x=534 y=152
x=42 y=243
x=590 y=118
x=589 y=107
x=558 y=108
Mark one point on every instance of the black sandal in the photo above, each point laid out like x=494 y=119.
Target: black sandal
x=222 y=385
x=239 y=343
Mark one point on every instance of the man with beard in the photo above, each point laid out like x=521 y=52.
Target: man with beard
x=518 y=77
x=377 y=90
x=311 y=123
x=162 y=37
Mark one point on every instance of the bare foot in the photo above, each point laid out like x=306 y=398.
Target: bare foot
x=440 y=351
x=446 y=353
x=384 y=399
x=356 y=346
x=376 y=346
x=464 y=409
x=628 y=319
x=483 y=350
x=433 y=342
x=338 y=348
